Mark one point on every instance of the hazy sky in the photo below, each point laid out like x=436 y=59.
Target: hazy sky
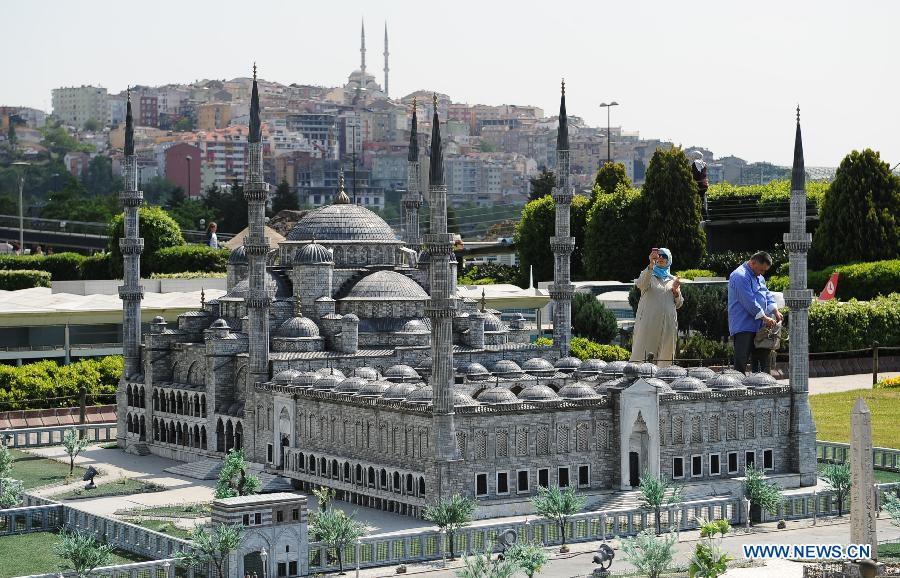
x=725 y=75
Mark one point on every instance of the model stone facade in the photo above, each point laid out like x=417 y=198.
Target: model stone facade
x=345 y=358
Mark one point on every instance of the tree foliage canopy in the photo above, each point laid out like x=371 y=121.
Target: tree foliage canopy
x=284 y=198
x=157 y=228
x=234 y=479
x=592 y=319
x=82 y=552
x=609 y=177
x=542 y=185
x=616 y=245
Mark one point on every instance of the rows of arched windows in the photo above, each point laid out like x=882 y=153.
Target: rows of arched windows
x=365 y=477
x=180 y=434
x=136 y=426
x=179 y=402
x=229 y=435
x=134 y=395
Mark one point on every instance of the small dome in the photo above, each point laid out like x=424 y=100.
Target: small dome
x=724 y=381
x=366 y=373
x=538 y=366
x=701 y=373
x=506 y=368
x=398 y=391
x=538 y=393
x=615 y=368
x=423 y=395
x=386 y=286
x=414 y=326
x=285 y=377
x=277 y=287
x=473 y=370
x=461 y=399
x=350 y=385
x=688 y=383
x=401 y=372
x=330 y=371
x=659 y=384
x=159 y=319
x=350 y=318
x=219 y=324
x=305 y=379
x=298 y=327
x=238 y=256
x=591 y=366
x=617 y=382
x=327 y=383
x=374 y=389
x=734 y=372
x=671 y=372
x=634 y=370
x=313 y=254
x=760 y=379
x=578 y=390
x=567 y=364
x=492 y=324
x=497 y=396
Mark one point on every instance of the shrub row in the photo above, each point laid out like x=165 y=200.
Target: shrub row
x=777 y=191
x=861 y=281
x=61 y=266
x=188 y=275
x=841 y=326
x=586 y=349
x=23 y=279
x=694 y=273
x=723 y=263
x=30 y=386
x=188 y=258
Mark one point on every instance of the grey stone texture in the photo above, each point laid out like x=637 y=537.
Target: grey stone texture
x=863 y=510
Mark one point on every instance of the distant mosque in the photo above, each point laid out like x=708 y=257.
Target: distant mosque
x=361 y=86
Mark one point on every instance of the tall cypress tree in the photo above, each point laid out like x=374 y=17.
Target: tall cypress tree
x=284 y=198
x=673 y=207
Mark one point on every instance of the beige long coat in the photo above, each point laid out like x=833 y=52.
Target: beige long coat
x=656 y=320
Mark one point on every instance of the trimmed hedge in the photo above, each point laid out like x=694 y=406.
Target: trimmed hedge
x=777 y=191
x=862 y=281
x=97 y=267
x=189 y=275
x=694 y=273
x=188 y=258
x=23 y=279
x=61 y=266
x=841 y=326
x=586 y=349
x=727 y=261
x=31 y=385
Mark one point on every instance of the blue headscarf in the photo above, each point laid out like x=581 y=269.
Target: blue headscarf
x=663 y=272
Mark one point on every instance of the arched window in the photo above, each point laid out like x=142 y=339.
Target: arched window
x=347 y=472
x=371 y=477
x=143 y=397
x=239 y=436
x=202 y=406
x=220 y=436
x=301 y=462
x=396 y=482
x=203 y=438
x=155 y=400
x=409 y=484
x=383 y=478
x=359 y=474
x=229 y=436
x=335 y=469
x=421 y=487
x=143 y=429
x=312 y=464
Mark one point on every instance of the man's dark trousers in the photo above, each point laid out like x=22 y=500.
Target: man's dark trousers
x=745 y=351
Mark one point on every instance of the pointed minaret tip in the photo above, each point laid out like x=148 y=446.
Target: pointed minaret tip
x=798 y=171
x=254 y=70
x=129 y=126
x=562 y=135
x=255 y=125
x=342 y=198
x=436 y=167
x=413 y=155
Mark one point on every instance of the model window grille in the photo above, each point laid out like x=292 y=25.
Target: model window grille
x=678 y=430
x=581 y=437
x=480 y=445
x=461 y=444
x=543 y=441
x=562 y=438
x=522 y=441
x=502 y=443
x=749 y=425
x=695 y=429
x=784 y=418
x=766 y=424
x=731 y=425
x=662 y=431
x=714 y=427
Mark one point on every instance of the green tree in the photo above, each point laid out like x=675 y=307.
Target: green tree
x=609 y=177
x=591 y=319
x=858 y=219
x=6 y=461
x=82 y=553
x=450 y=515
x=323 y=495
x=233 y=477
x=58 y=141
x=229 y=206
x=92 y=125
x=656 y=494
x=158 y=229
x=184 y=124
x=284 y=198
x=157 y=190
x=74 y=444
x=649 y=554
x=533 y=234
x=483 y=565
x=708 y=559
x=10 y=489
x=542 y=185
x=673 y=207
x=212 y=546
x=558 y=505
x=99 y=179
x=892 y=507
x=337 y=530
x=838 y=477
x=762 y=494
x=616 y=239
x=11 y=131
x=529 y=556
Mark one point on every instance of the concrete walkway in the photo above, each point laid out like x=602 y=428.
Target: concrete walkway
x=843 y=382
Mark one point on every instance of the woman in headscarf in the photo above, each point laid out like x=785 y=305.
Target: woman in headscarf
x=656 y=320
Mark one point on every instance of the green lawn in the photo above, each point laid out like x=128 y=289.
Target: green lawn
x=161 y=526
x=26 y=554
x=122 y=487
x=832 y=414
x=889 y=551
x=197 y=510
x=35 y=471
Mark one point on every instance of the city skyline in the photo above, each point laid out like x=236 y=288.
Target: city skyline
x=832 y=62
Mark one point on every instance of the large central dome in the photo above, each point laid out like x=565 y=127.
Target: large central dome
x=342 y=222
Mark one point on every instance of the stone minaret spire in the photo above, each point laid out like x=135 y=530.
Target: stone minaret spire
x=802 y=456
x=442 y=304
x=562 y=243
x=412 y=200
x=386 y=91
x=256 y=245
x=130 y=292
x=362 y=53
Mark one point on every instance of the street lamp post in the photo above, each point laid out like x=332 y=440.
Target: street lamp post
x=189 y=158
x=21 y=206
x=607 y=106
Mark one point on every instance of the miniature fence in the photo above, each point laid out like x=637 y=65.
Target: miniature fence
x=34 y=437
x=419 y=546
x=838 y=452
x=152 y=569
x=29 y=519
x=813 y=504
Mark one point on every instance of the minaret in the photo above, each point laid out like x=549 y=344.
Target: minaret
x=386 y=92
x=562 y=244
x=412 y=200
x=802 y=445
x=256 y=246
x=130 y=292
x=442 y=304
x=362 y=53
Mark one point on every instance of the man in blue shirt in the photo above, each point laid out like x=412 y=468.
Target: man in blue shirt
x=750 y=306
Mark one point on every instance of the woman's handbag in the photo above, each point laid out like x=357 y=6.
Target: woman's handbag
x=768 y=337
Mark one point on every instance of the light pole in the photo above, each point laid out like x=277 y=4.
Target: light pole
x=21 y=205
x=607 y=106
x=189 y=158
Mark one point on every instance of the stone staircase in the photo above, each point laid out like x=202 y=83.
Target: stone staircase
x=631 y=499
x=207 y=469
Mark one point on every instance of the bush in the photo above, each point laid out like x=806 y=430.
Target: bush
x=889 y=383
x=188 y=275
x=156 y=227
x=591 y=319
x=861 y=281
x=725 y=262
x=694 y=273
x=838 y=326
x=32 y=385
x=696 y=346
x=773 y=192
x=586 y=349
x=608 y=179
x=188 y=258
x=61 y=266
x=23 y=279
x=97 y=267
x=616 y=246
x=488 y=274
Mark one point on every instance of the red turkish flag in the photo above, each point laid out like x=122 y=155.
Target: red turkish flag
x=830 y=288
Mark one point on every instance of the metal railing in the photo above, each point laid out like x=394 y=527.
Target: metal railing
x=166 y=568
x=28 y=519
x=839 y=453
